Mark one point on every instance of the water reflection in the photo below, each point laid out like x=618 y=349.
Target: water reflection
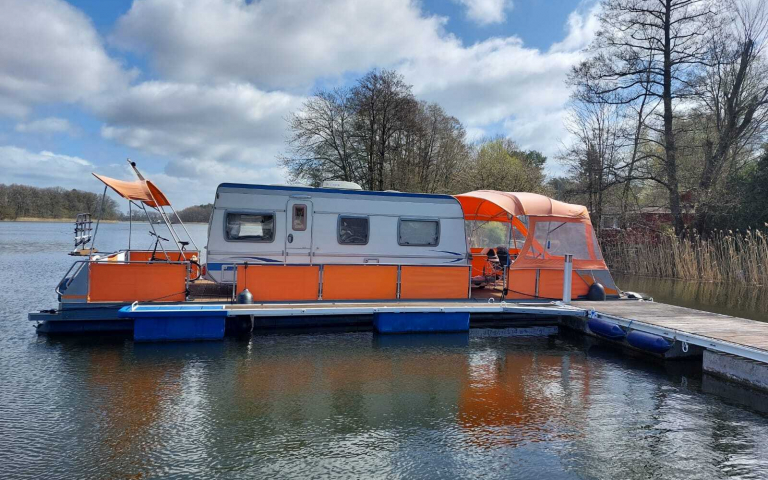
x=361 y=405
x=349 y=404
x=728 y=299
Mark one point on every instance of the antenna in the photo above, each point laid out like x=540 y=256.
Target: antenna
x=136 y=170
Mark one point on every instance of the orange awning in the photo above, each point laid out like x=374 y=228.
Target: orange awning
x=140 y=190
x=491 y=205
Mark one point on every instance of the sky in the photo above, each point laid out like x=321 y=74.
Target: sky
x=197 y=92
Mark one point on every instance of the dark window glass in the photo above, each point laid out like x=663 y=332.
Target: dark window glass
x=251 y=227
x=353 y=230
x=299 y=218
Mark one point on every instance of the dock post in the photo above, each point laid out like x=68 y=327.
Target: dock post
x=567 y=278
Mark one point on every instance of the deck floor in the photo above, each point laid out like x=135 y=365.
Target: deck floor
x=750 y=333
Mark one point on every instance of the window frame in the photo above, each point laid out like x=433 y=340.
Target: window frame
x=249 y=240
x=367 y=233
x=417 y=219
x=293 y=217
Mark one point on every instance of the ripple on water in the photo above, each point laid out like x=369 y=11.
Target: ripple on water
x=343 y=405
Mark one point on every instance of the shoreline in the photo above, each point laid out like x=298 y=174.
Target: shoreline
x=72 y=220
x=49 y=220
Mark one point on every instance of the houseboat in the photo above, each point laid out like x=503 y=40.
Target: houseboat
x=293 y=249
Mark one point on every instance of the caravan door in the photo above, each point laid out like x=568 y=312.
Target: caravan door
x=298 y=235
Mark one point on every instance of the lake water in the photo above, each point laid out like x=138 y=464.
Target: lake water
x=353 y=405
x=737 y=300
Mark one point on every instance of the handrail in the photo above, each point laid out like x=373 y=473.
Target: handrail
x=72 y=278
x=81 y=263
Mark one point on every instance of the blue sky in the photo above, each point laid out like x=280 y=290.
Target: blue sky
x=196 y=91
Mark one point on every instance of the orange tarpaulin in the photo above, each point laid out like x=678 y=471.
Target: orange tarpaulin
x=490 y=204
x=553 y=229
x=139 y=190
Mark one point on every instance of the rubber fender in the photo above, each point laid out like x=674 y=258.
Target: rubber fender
x=606 y=329
x=596 y=292
x=648 y=341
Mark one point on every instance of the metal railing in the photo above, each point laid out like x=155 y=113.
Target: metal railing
x=81 y=263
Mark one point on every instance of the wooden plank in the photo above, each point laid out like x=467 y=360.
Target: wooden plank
x=741 y=331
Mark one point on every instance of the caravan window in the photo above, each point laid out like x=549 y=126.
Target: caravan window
x=250 y=227
x=420 y=233
x=299 y=223
x=353 y=230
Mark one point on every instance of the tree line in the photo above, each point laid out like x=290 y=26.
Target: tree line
x=670 y=110
x=20 y=201
x=378 y=134
x=24 y=201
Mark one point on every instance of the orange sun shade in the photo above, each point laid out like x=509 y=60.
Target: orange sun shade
x=493 y=205
x=140 y=190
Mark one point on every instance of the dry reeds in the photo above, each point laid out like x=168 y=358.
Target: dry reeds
x=721 y=257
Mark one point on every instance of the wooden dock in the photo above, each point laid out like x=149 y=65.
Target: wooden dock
x=705 y=329
x=735 y=348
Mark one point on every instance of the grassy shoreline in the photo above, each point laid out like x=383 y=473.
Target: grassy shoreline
x=735 y=257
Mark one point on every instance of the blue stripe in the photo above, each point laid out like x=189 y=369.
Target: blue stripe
x=336 y=190
x=446 y=251
x=216 y=266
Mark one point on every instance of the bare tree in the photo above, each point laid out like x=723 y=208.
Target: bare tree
x=652 y=48
x=321 y=144
x=597 y=155
x=378 y=135
x=733 y=94
x=382 y=101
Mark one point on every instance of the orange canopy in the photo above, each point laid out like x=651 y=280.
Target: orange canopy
x=140 y=190
x=494 y=205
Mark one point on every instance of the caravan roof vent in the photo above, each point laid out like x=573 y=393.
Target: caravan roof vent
x=341 y=184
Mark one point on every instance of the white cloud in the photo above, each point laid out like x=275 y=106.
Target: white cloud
x=486 y=12
x=45 y=169
x=582 y=27
x=496 y=81
x=229 y=72
x=290 y=43
x=274 y=44
x=225 y=123
x=50 y=53
x=47 y=125
x=192 y=181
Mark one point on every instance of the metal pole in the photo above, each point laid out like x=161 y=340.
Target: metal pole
x=505 y=277
x=98 y=220
x=165 y=220
x=567 y=278
x=170 y=223
x=185 y=228
x=130 y=224
x=167 y=258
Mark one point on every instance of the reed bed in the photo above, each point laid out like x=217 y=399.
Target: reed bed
x=723 y=256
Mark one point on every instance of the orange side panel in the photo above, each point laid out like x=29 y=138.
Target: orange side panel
x=359 y=282
x=551 y=285
x=434 y=282
x=522 y=284
x=478 y=264
x=269 y=283
x=143 y=282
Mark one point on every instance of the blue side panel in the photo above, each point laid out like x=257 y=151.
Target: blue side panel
x=606 y=329
x=165 y=328
x=421 y=322
x=648 y=342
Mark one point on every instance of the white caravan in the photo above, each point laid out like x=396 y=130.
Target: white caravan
x=286 y=225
